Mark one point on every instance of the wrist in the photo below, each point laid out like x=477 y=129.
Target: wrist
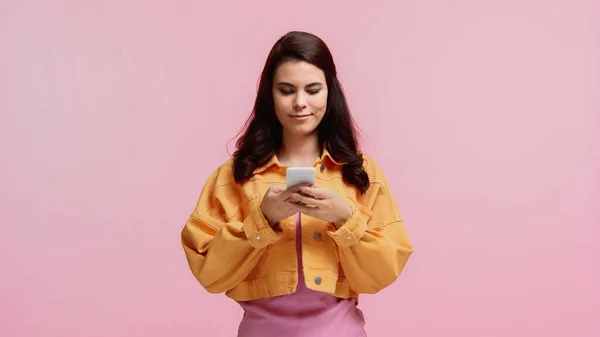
x=340 y=223
x=343 y=219
x=269 y=221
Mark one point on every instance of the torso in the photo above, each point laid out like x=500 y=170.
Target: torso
x=305 y=312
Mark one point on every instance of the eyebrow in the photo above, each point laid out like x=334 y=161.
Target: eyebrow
x=313 y=84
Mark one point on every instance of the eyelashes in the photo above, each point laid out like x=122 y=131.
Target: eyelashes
x=289 y=92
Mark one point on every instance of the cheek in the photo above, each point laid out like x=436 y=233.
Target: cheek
x=281 y=105
x=319 y=104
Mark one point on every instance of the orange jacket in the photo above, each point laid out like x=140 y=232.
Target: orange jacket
x=231 y=248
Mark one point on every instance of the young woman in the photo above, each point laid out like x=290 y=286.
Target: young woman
x=296 y=259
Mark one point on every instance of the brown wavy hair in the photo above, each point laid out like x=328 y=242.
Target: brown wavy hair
x=262 y=133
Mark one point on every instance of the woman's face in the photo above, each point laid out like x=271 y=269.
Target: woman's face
x=299 y=97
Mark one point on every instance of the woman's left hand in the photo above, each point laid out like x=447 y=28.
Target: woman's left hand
x=321 y=203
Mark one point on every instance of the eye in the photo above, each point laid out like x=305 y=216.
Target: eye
x=314 y=91
x=286 y=92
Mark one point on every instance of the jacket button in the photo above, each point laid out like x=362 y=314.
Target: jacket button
x=318 y=280
x=322 y=167
x=317 y=236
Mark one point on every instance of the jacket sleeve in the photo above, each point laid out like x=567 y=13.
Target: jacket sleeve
x=373 y=244
x=221 y=245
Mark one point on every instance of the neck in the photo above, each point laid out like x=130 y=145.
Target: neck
x=299 y=151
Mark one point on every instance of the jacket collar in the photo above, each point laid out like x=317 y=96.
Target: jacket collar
x=325 y=156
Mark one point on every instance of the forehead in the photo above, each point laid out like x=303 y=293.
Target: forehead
x=298 y=72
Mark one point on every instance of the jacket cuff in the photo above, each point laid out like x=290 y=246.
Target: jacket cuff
x=258 y=231
x=352 y=230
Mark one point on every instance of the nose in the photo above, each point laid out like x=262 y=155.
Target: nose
x=300 y=102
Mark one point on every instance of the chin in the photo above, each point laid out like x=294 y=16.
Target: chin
x=301 y=132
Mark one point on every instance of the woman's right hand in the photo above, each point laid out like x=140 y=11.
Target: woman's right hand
x=275 y=206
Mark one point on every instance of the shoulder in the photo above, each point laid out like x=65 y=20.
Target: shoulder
x=373 y=169
x=223 y=174
x=221 y=185
x=220 y=192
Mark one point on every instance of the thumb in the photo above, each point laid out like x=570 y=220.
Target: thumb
x=278 y=188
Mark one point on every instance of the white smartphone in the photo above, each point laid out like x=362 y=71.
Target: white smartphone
x=300 y=175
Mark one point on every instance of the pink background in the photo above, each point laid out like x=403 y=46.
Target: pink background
x=483 y=114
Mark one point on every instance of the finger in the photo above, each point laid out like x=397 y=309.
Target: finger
x=318 y=193
x=305 y=209
x=310 y=201
x=277 y=188
x=292 y=189
x=298 y=187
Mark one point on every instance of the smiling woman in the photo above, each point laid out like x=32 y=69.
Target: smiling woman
x=299 y=78
x=296 y=259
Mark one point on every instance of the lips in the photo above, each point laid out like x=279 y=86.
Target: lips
x=300 y=116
